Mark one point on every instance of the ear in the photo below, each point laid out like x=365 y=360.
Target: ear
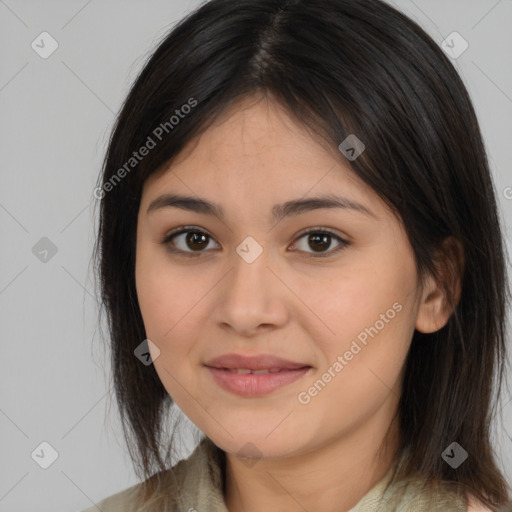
x=437 y=301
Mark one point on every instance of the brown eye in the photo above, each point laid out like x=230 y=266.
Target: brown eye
x=320 y=242
x=196 y=241
x=188 y=241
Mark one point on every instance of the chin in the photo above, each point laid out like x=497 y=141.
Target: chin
x=256 y=447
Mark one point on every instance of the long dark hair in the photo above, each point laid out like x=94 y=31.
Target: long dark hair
x=340 y=67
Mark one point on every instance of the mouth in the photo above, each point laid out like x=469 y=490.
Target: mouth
x=247 y=382
x=253 y=362
x=245 y=371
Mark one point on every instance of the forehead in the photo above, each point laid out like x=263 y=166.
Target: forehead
x=256 y=149
x=254 y=129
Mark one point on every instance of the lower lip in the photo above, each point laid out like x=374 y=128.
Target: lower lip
x=250 y=384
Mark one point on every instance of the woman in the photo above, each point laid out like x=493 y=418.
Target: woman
x=299 y=245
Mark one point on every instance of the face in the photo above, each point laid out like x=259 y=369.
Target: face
x=341 y=299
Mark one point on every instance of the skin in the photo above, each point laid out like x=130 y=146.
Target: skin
x=323 y=455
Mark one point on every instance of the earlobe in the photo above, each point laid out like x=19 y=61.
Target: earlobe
x=441 y=295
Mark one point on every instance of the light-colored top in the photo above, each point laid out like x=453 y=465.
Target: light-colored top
x=198 y=484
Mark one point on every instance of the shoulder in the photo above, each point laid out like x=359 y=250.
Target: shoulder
x=197 y=478
x=119 y=502
x=155 y=494
x=413 y=493
x=124 y=500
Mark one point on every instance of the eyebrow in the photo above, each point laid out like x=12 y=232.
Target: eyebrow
x=279 y=211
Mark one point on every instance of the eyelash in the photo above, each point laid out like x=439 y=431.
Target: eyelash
x=192 y=229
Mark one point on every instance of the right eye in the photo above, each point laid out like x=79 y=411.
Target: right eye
x=187 y=241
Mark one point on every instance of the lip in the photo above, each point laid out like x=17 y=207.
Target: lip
x=255 y=362
x=252 y=385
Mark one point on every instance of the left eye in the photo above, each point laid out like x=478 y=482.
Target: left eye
x=194 y=241
x=320 y=241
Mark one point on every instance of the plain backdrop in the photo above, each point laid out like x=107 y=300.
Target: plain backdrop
x=55 y=117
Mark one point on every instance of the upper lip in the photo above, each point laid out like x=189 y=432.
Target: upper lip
x=259 y=362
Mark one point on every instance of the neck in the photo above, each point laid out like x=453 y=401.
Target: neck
x=332 y=477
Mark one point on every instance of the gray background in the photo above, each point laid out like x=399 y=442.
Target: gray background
x=56 y=114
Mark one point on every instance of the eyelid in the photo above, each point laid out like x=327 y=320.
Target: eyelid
x=343 y=242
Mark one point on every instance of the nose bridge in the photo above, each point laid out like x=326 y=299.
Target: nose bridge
x=250 y=273
x=250 y=294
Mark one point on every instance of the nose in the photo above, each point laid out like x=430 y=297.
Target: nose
x=252 y=297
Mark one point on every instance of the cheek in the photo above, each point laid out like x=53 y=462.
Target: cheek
x=162 y=308
x=345 y=303
x=367 y=315
x=158 y=305
x=168 y=302
x=360 y=376
x=162 y=291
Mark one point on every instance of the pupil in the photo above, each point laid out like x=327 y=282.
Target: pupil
x=320 y=239
x=195 y=238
